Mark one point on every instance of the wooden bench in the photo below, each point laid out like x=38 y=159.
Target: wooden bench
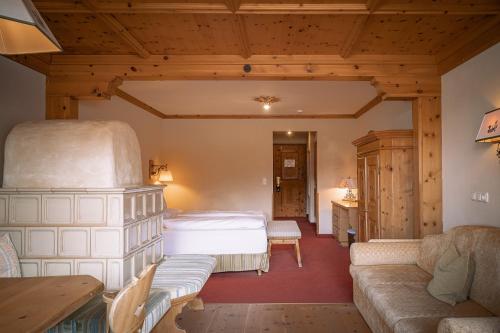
x=176 y=283
x=284 y=232
x=183 y=276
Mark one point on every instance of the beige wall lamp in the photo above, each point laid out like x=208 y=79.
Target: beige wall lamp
x=160 y=173
x=23 y=30
x=490 y=129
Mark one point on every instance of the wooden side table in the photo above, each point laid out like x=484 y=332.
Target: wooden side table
x=344 y=216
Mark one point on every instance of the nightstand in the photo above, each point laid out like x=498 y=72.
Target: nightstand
x=344 y=216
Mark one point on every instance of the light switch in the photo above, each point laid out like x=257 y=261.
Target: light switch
x=481 y=197
x=264 y=181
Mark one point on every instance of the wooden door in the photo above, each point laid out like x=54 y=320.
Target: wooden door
x=362 y=206
x=289 y=164
x=372 y=197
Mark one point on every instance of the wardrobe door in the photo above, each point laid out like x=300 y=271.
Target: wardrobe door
x=372 y=196
x=362 y=208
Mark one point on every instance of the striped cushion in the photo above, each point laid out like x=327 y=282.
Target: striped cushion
x=9 y=262
x=283 y=230
x=91 y=318
x=182 y=275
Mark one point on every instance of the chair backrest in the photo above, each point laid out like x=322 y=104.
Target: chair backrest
x=127 y=311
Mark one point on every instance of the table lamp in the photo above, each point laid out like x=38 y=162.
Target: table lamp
x=349 y=184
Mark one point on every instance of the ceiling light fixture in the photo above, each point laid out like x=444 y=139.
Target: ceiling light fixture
x=23 y=30
x=300 y=111
x=266 y=101
x=289 y=132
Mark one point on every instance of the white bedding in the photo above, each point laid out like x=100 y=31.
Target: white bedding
x=222 y=213
x=215 y=232
x=214 y=223
x=245 y=241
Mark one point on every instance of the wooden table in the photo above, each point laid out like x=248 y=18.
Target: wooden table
x=37 y=304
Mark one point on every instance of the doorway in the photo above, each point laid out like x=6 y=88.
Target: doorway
x=294 y=175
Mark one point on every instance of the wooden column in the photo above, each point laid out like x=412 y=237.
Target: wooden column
x=61 y=107
x=428 y=182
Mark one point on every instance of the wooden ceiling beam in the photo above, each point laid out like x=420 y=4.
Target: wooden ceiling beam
x=151 y=7
x=139 y=71
x=404 y=87
x=111 y=21
x=374 y=102
x=238 y=60
x=36 y=62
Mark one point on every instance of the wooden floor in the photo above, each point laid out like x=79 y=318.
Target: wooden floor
x=270 y=318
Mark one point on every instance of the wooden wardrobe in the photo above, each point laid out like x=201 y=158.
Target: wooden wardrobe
x=385 y=185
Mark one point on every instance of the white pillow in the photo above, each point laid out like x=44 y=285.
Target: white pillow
x=9 y=262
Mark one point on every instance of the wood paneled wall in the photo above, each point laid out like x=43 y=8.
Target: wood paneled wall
x=428 y=176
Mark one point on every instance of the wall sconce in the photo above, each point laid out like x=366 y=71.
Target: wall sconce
x=349 y=184
x=160 y=172
x=490 y=129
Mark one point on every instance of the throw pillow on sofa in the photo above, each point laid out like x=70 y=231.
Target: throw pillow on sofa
x=9 y=262
x=453 y=275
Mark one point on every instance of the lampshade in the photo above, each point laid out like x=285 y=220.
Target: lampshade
x=22 y=29
x=165 y=176
x=348 y=183
x=490 y=127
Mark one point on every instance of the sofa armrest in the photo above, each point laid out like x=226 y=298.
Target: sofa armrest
x=470 y=325
x=385 y=253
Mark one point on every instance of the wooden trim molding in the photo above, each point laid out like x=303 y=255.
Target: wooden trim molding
x=137 y=102
x=371 y=104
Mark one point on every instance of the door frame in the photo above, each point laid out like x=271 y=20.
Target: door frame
x=305 y=178
x=315 y=168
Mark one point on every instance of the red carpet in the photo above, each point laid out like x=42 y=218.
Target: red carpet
x=324 y=277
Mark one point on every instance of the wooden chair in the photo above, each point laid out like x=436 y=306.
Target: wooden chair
x=126 y=310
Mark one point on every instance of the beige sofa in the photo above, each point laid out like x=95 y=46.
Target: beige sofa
x=390 y=279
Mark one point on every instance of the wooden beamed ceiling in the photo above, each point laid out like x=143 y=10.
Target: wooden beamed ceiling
x=401 y=46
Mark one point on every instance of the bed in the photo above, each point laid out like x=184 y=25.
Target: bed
x=238 y=239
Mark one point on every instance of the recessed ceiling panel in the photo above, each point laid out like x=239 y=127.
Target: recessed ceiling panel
x=237 y=97
x=412 y=34
x=85 y=34
x=185 y=33
x=297 y=34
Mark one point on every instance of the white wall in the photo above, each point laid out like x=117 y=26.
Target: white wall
x=22 y=98
x=219 y=164
x=468 y=92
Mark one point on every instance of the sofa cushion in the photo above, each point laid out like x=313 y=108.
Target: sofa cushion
x=417 y=325
x=389 y=275
x=402 y=301
x=452 y=277
x=485 y=287
x=183 y=275
x=431 y=249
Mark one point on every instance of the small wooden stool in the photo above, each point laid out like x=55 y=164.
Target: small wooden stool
x=284 y=232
